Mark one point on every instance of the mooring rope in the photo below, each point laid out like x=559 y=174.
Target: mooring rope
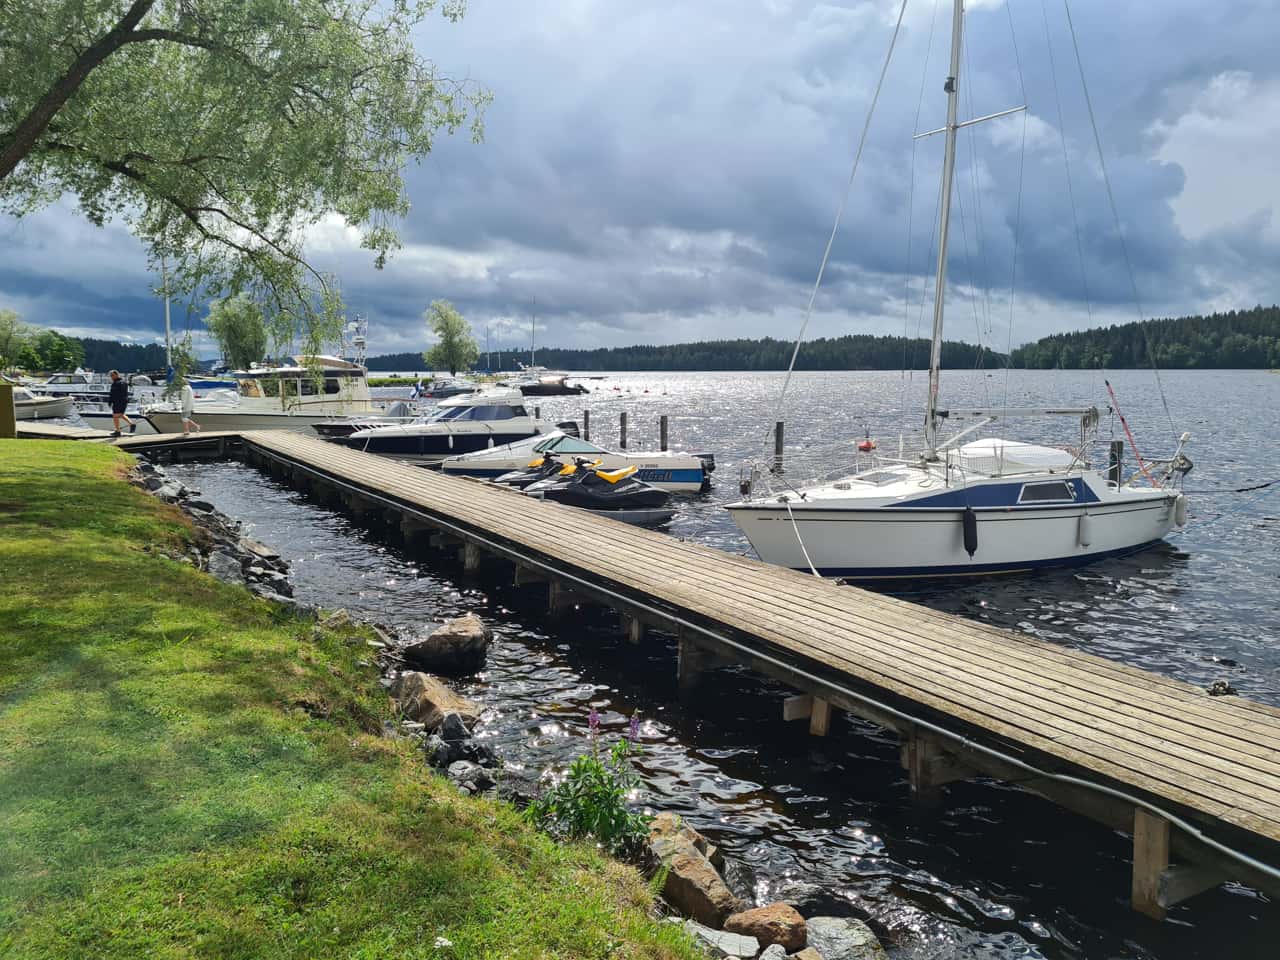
x=835 y=227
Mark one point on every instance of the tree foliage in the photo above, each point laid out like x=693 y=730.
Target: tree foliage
x=1237 y=339
x=49 y=350
x=14 y=337
x=222 y=131
x=238 y=326
x=455 y=347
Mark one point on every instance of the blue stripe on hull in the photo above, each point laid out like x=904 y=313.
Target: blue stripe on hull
x=972 y=569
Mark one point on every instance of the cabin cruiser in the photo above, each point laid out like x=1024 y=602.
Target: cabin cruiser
x=87 y=386
x=667 y=470
x=462 y=424
x=294 y=396
x=27 y=406
x=443 y=387
x=541 y=382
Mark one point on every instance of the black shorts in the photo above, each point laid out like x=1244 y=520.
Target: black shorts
x=118 y=408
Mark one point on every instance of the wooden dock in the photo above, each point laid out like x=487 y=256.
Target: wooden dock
x=1195 y=779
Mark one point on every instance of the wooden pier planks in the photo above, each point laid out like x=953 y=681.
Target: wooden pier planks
x=1219 y=757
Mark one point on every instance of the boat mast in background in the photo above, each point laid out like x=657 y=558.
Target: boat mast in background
x=168 y=329
x=952 y=88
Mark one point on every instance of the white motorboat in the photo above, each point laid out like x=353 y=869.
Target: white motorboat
x=289 y=397
x=462 y=424
x=28 y=406
x=443 y=387
x=667 y=470
x=984 y=506
x=98 y=416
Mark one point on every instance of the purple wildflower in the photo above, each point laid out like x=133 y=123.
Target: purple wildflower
x=633 y=728
x=593 y=720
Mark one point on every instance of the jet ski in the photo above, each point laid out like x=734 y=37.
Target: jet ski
x=618 y=494
x=540 y=468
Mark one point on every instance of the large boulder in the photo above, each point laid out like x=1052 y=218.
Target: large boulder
x=424 y=698
x=669 y=835
x=456 y=648
x=777 y=923
x=720 y=943
x=841 y=938
x=693 y=887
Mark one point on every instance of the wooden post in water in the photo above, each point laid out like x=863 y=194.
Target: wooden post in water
x=537 y=413
x=8 y=415
x=662 y=432
x=622 y=430
x=777 y=447
x=586 y=424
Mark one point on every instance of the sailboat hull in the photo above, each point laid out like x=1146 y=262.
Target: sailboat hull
x=887 y=543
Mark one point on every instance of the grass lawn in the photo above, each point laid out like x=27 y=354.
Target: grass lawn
x=187 y=772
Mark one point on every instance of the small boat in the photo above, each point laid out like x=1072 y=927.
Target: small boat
x=98 y=416
x=462 y=424
x=398 y=413
x=28 y=406
x=984 y=506
x=668 y=470
x=617 y=494
x=443 y=387
x=287 y=397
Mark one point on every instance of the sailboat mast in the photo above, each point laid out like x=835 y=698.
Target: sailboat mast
x=168 y=328
x=952 y=88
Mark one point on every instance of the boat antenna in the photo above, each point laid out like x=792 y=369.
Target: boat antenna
x=835 y=227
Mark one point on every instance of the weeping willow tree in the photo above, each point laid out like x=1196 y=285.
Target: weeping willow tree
x=223 y=132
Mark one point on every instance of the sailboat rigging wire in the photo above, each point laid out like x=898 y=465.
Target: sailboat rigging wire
x=1115 y=215
x=1017 y=218
x=1115 y=405
x=835 y=227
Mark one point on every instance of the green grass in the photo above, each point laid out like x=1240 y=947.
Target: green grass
x=393 y=381
x=187 y=771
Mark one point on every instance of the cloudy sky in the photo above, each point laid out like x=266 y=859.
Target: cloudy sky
x=669 y=170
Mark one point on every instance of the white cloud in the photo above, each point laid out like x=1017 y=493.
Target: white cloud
x=1226 y=142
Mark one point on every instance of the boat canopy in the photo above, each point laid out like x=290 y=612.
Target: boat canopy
x=995 y=457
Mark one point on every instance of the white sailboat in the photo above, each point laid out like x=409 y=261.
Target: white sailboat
x=959 y=508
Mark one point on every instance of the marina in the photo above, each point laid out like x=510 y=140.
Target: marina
x=1192 y=777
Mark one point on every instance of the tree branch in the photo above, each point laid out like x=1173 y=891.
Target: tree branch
x=19 y=141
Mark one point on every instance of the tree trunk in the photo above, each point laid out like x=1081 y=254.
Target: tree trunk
x=19 y=141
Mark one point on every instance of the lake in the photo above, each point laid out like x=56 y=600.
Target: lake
x=997 y=873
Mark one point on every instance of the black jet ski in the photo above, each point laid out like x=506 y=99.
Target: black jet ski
x=542 y=468
x=583 y=484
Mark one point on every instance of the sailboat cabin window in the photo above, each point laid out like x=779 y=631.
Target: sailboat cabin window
x=1046 y=492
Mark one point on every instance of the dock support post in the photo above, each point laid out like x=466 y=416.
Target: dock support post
x=692 y=662
x=471 y=557
x=662 y=432
x=777 y=447
x=1150 y=861
x=559 y=598
x=586 y=424
x=622 y=430
x=524 y=575
x=805 y=706
x=632 y=628
x=928 y=767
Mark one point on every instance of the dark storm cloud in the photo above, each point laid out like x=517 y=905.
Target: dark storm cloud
x=666 y=171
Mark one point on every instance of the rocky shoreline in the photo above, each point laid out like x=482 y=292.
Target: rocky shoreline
x=414 y=672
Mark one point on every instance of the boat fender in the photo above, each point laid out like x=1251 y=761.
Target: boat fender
x=451 y=441
x=970 y=523
x=1180 y=510
x=1084 y=530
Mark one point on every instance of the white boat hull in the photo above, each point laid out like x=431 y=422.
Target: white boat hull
x=42 y=408
x=171 y=422
x=893 y=543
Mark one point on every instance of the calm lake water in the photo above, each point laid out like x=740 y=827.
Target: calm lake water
x=994 y=874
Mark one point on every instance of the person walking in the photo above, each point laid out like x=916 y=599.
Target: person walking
x=119 y=398
x=188 y=408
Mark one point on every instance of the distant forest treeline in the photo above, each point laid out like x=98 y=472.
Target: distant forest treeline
x=854 y=352
x=1238 y=339
x=109 y=355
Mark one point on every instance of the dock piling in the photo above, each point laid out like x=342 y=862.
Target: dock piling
x=586 y=424
x=662 y=432
x=777 y=447
x=622 y=430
